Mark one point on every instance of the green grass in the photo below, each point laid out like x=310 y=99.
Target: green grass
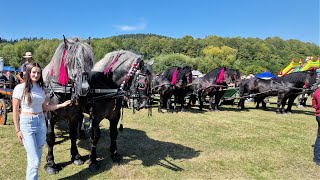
x=229 y=144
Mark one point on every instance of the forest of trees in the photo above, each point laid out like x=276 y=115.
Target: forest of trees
x=249 y=55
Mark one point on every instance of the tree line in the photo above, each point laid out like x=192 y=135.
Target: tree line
x=249 y=55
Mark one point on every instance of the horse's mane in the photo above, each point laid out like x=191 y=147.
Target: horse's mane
x=76 y=50
x=212 y=73
x=181 y=72
x=101 y=65
x=117 y=64
x=294 y=77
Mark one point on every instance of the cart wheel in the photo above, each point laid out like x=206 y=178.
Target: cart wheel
x=3 y=112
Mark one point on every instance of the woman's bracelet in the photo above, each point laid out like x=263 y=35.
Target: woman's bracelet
x=18 y=131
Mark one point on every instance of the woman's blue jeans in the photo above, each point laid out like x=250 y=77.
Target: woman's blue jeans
x=33 y=128
x=317 y=144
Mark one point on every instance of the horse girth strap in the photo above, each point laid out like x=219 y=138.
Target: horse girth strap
x=60 y=89
x=98 y=91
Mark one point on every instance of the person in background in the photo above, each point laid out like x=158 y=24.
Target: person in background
x=11 y=81
x=316 y=106
x=27 y=59
x=30 y=124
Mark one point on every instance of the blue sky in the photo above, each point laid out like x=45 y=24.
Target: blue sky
x=287 y=19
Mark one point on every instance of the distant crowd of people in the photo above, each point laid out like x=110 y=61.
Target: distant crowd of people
x=9 y=79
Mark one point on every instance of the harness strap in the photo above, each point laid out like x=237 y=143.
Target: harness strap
x=60 y=89
x=104 y=90
x=112 y=63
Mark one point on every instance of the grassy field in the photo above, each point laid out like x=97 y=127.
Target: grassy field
x=229 y=144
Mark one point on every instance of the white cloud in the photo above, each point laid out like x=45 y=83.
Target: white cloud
x=141 y=26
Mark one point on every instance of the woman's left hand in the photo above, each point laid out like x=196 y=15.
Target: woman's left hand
x=66 y=103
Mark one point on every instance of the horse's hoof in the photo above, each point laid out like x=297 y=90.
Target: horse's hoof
x=93 y=167
x=169 y=111
x=160 y=111
x=78 y=162
x=51 y=169
x=116 y=158
x=121 y=127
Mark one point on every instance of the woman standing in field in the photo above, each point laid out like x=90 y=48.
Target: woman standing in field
x=31 y=126
x=316 y=106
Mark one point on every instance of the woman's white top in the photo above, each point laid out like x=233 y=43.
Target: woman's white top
x=38 y=97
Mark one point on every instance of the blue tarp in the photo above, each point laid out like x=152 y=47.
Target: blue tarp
x=8 y=68
x=265 y=75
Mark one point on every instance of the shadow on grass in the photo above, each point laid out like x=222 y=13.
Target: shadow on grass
x=274 y=109
x=135 y=145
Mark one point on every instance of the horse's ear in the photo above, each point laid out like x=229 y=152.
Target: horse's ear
x=151 y=62
x=65 y=42
x=141 y=63
x=89 y=41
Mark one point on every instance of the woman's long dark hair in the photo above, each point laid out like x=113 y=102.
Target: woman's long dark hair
x=28 y=81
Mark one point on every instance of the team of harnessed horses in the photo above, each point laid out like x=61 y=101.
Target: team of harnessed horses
x=101 y=90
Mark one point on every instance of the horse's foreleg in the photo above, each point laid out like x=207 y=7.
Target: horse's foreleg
x=211 y=102
x=290 y=103
x=217 y=100
x=75 y=156
x=201 y=98
x=161 y=102
x=241 y=103
x=82 y=134
x=168 y=104
x=95 y=135
x=283 y=104
x=182 y=102
x=279 y=103
x=50 y=167
x=113 y=136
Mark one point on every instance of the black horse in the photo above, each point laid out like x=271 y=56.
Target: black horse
x=118 y=74
x=63 y=77
x=287 y=87
x=213 y=84
x=180 y=78
x=160 y=85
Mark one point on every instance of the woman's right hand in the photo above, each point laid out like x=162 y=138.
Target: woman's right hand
x=66 y=103
x=19 y=134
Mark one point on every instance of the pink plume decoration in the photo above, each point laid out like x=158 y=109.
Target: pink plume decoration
x=221 y=76
x=174 y=77
x=63 y=78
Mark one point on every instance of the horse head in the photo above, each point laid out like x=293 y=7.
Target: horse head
x=141 y=85
x=187 y=71
x=312 y=82
x=129 y=72
x=70 y=65
x=232 y=76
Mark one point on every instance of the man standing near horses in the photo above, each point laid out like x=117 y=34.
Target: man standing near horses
x=28 y=59
x=316 y=105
